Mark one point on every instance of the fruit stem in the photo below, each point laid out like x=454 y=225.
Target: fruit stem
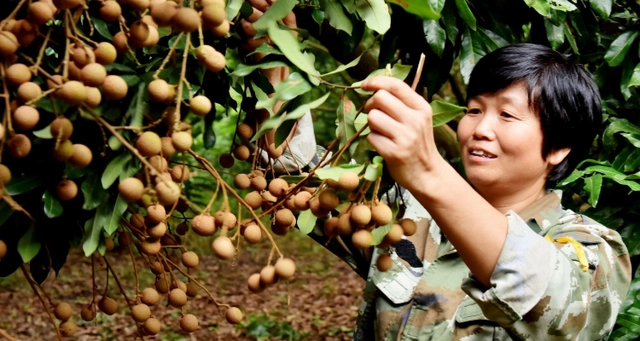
x=115 y=277
x=213 y=198
x=33 y=284
x=12 y=15
x=135 y=268
x=183 y=75
x=93 y=279
x=166 y=59
x=43 y=95
x=65 y=62
x=41 y=52
x=7 y=102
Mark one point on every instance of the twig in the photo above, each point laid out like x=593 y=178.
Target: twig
x=45 y=305
x=124 y=294
x=183 y=75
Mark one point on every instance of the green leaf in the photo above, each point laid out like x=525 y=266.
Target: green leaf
x=572 y=40
x=244 y=70
x=334 y=11
x=359 y=122
x=114 y=143
x=345 y=115
x=5 y=212
x=94 y=194
x=137 y=107
x=541 y=6
x=22 y=184
x=444 y=112
x=491 y=40
x=435 y=35
x=470 y=53
x=421 y=8
x=52 y=207
x=593 y=185
x=291 y=49
x=602 y=7
x=131 y=80
x=450 y=21
x=277 y=11
x=633 y=138
x=306 y=222
x=375 y=14
x=575 y=175
x=233 y=8
x=44 y=133
x=102 y=27
x=343 y=67
x=115 y=213
x=634 y=79
x=283 y=132
x=28 y=245
x=618 y=125
x=466 y=14
x=114 y=168
x=562 y=5
x=373 y=170
x=318 y=16
x=334 y=173
x=555 y=34
x=397 y=71
x=633 y=161
x=381 y=231
x=119 y=67
x=91 y=236
x=619 y=48
x=294 y=86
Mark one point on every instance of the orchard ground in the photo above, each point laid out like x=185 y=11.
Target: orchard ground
x=319 y=303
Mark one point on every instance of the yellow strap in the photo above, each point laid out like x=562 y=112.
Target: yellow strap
x=582 y=257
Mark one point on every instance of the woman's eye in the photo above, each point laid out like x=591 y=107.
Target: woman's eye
x=506 y=115
x=473 y=111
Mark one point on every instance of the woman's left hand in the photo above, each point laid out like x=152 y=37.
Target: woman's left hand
x=401 y=130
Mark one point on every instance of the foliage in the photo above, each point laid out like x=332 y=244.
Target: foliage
x=262 y=327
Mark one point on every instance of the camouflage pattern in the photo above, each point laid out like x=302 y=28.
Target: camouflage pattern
x=560 y=276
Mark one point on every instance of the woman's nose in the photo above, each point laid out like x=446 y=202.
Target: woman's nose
x=485 y=127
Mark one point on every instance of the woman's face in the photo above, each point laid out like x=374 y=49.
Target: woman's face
x=501 y=144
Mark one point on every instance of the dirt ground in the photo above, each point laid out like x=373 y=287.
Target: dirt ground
x=319 y=303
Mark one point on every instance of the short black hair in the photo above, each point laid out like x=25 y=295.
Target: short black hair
x=562 y=93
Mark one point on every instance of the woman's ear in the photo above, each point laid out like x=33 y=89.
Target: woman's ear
x=557 y=155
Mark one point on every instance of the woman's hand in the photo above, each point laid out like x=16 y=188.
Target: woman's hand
x=402 y=130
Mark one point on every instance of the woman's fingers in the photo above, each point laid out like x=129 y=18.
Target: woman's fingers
x=262 y=5
x=384 y=125
x=398 y=89
x=389 y=104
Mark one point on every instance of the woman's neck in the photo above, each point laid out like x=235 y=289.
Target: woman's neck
x=516 y=201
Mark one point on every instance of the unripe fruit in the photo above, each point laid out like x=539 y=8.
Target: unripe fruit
x=19 y=146
x=381 y=214
x=63 y=311
x=8 y=43
x=5 y=175
x=108 y=305
x=26 y=117
x=140 y=312
x=384 y=262
x=93 y=74
x=301 y=200
x=72 y=92
x=182 y=141
x=68 y=328
x=362 y=239
x=180 y=173
x=110 y=11
x=268 y=275
x=150 y=296
x=242 y=181
x=28 y=91
x=203 y=225
x=157 y=231
x=88 y=313
x=394 y=235
x=284 y=218
x=94 y=97
x=106 y=53
x=254 y=284
x=226 y=160
x=67 y=189
x=168 y=192
x=152 y=326
x=81 y=156
x=360 y=215
x=114 y=87
x=160 y=91
x=3 y=249
x=223 y=247
x=61 y=128
x=189 y=323
x=17 y=74
x=186 y=19
x=285 y=268
x=149 y=144
x=259 y=183
x=190 y=259
x=252 y=234
x=131 y=190
x=200 y=105
x=234 y=315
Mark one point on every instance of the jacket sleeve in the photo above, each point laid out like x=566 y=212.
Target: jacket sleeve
x=567 y=285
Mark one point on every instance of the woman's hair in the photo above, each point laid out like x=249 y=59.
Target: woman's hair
x=561 y=92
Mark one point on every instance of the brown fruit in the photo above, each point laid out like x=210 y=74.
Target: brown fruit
x=105 y=53
x=28 y=91
x=167 y=146
x=3 y=249
x=63 y=311
x=189 y=323
x=242 y=181
x=5 y=175
x=331 y=226
x=17 y=74
x=159 y=90
x=241 y=152
x=72 y=92
x=186 y=19
x=284 y=218
x=223 y=247
x=150 y=247
x=203 y=225
x=215 y=61
x=67 y=4
x=344 y=224
x=408 y=226
x=268 y=275
x=149 y=143
x=108 y=305
x=328 y=199
x=190 y=259
x=153 y=38
x=226 y=160
x=138 y=33
x=301 y=200
x=200 y=105
x=94 y=97
x=68 y=328
x=120 y=43
x=75 y=73
x=124 y=239
x=82 y=55
x=88 y=313
x=348 y=181
x=136 y=220
x=362 y=239
x=25 y=117
x=285 y=268
x=40 y=12
x=162 y=285
x=131 y=190
x=252 y=234
x=254 y=284
x=109 y=244
x=158 y=162
x=253 y=199
x=360 y=215
x=259 y=183
x=157 y=231
x=381 y=214
x=67 y=189
x=384 y=262
x=244 y=132
x=192 y=289
x=213 y=14
x=150 y=296
x=394 y=235
x=110 y=11
x=93 y=74
x=19 y=146
x=138 y=5
x=114 y=87
x=156 y=213
x=163 y=13
x=152 y=326
x=182 y=229
x=316 y=209
x=168 y=192
x=8 y=43
x=234 y=315
x=278 y=187
x=177 y=298
x=54 y=81
x=140 y=312
x=81 y=156
x=222 y=29
x=180 y=173
x=182 y=141
x=227 y=219
x=61 y=128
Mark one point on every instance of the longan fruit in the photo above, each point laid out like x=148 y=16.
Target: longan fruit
x=301 y=200
x=67 y=4
x=381 y=214
x=40 y=13
x=81 y=156
x=408 y=226
x=94 y=97
x=189 y=323
x=120 y=43
x=159 y=90
x=150 y=247
x=215 y=61
x=348 y=181
x=163 y=12
x=114 y=87
x=190 y=259
x=162 y=285
x=316 y=209
x=344 y=226
x=8 y=43
x=384 y=262
x=28 y=91
x=105 y=53
x=17 y=74
x=149 y=144
x=168 y=192
x=109 y=244
x=19 y=146
x=241 y=152
x=253 y=234
x=213 y=14
x=93 y=74
x=158 y=162
x=222 y=29
x=242 y=181
x=88 y=313
x=285 y=268
x=254 y=284
x=124 y=239
x=223 y=247
x=182 y=141
x=259 y=183
x=25 y=117
x=136 y=220
x=278 y=187
x=3 y=249
x=394 y=235
x=63 y=311
x=2 y=132
x=253 y=199
x=131 y=190
x=138 y=5
x=72 y=92
x=225 y=218
x=61 y=128
x=67 y=189
x=234 y=315
x=140 y=312
x=138 y=33
x=177 y=298
x=158 y=230
x=192 y=289
x=5 y=175
x=82 y=55
x=226 y=160
x=75 y=73
x=152 y=326
x=244 y=132
x=360 y=215
x=330 y=227
x=284 y=217
x=203 y=225
x=182 y=229
x=186 y=19
x=68 y=328
x=268 y=275
x=108 y=305
x=362 y=239
x=150 y=296
x=156 y=213
x=167 y=146
x=53 y=82
x=328 y=199
x=180 y=173
x=110 y=11
x=200 y=105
